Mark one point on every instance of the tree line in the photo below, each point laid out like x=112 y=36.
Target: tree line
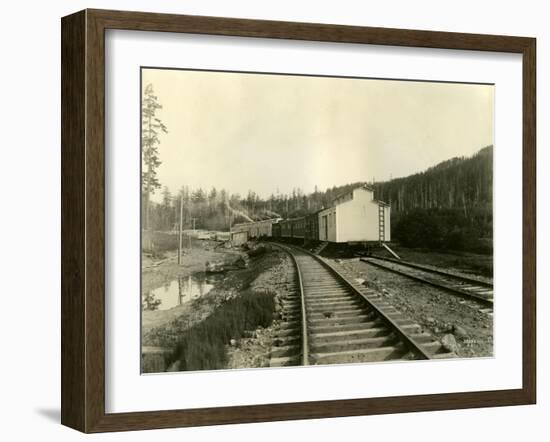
x=458 y=183
x=448 y=206
x=219 y=209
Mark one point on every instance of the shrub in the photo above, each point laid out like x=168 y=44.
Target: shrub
x=444 y=229
x=203 y=346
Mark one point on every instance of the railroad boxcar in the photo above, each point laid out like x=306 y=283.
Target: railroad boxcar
x=239 y=238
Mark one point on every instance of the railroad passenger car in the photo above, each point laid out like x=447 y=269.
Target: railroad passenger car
x=298 y=227
x=293 y=228
x=311 y=232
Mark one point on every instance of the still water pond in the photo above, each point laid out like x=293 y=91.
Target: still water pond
x=179 y=291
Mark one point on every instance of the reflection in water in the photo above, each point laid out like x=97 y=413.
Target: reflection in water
x=178 y=292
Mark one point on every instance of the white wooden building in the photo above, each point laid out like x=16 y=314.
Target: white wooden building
x=355 y=217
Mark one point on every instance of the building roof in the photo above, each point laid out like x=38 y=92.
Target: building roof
x=353 y=189
x=249 y=223
x=359 y=186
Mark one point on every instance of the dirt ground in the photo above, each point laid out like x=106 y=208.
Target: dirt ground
x=439 y=312
x=154 y=276
x=156 y=272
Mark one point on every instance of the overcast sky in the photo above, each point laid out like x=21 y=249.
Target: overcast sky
x=275 y=132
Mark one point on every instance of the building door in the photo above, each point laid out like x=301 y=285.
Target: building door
x=325 y=228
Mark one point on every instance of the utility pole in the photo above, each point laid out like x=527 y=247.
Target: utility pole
x=180 y=242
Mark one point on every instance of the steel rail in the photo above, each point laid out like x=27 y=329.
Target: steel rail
x=431 y=270
x=305 y=340
x=456 y=291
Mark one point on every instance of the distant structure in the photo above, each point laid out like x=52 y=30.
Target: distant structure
x=240 y=233
x=354 y=217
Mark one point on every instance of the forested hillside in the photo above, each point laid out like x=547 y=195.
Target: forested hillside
x=446 y=206
x=458 y=183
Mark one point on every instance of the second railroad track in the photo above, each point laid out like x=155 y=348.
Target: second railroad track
x=478 y=294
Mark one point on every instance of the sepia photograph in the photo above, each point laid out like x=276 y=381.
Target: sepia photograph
x=295 y=220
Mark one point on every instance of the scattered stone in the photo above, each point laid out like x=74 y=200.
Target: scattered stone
x=233 y=342
x=214 y=267
x=459 y=332
x=241 y=263
x=430 y=308
x=449 y=343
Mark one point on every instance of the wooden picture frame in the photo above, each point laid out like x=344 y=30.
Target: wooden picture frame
x=83 y=219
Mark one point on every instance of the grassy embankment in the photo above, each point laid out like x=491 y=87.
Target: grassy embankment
x=203 y=345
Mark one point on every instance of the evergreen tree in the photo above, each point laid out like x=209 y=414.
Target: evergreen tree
x=151 y=127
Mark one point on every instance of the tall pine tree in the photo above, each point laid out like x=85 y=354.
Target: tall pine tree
x=151 y=127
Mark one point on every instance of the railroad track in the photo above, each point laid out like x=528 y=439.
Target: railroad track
x=474 y=293
x=331 y=320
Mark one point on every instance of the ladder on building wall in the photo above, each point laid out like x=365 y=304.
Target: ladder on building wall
x=381 y=223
